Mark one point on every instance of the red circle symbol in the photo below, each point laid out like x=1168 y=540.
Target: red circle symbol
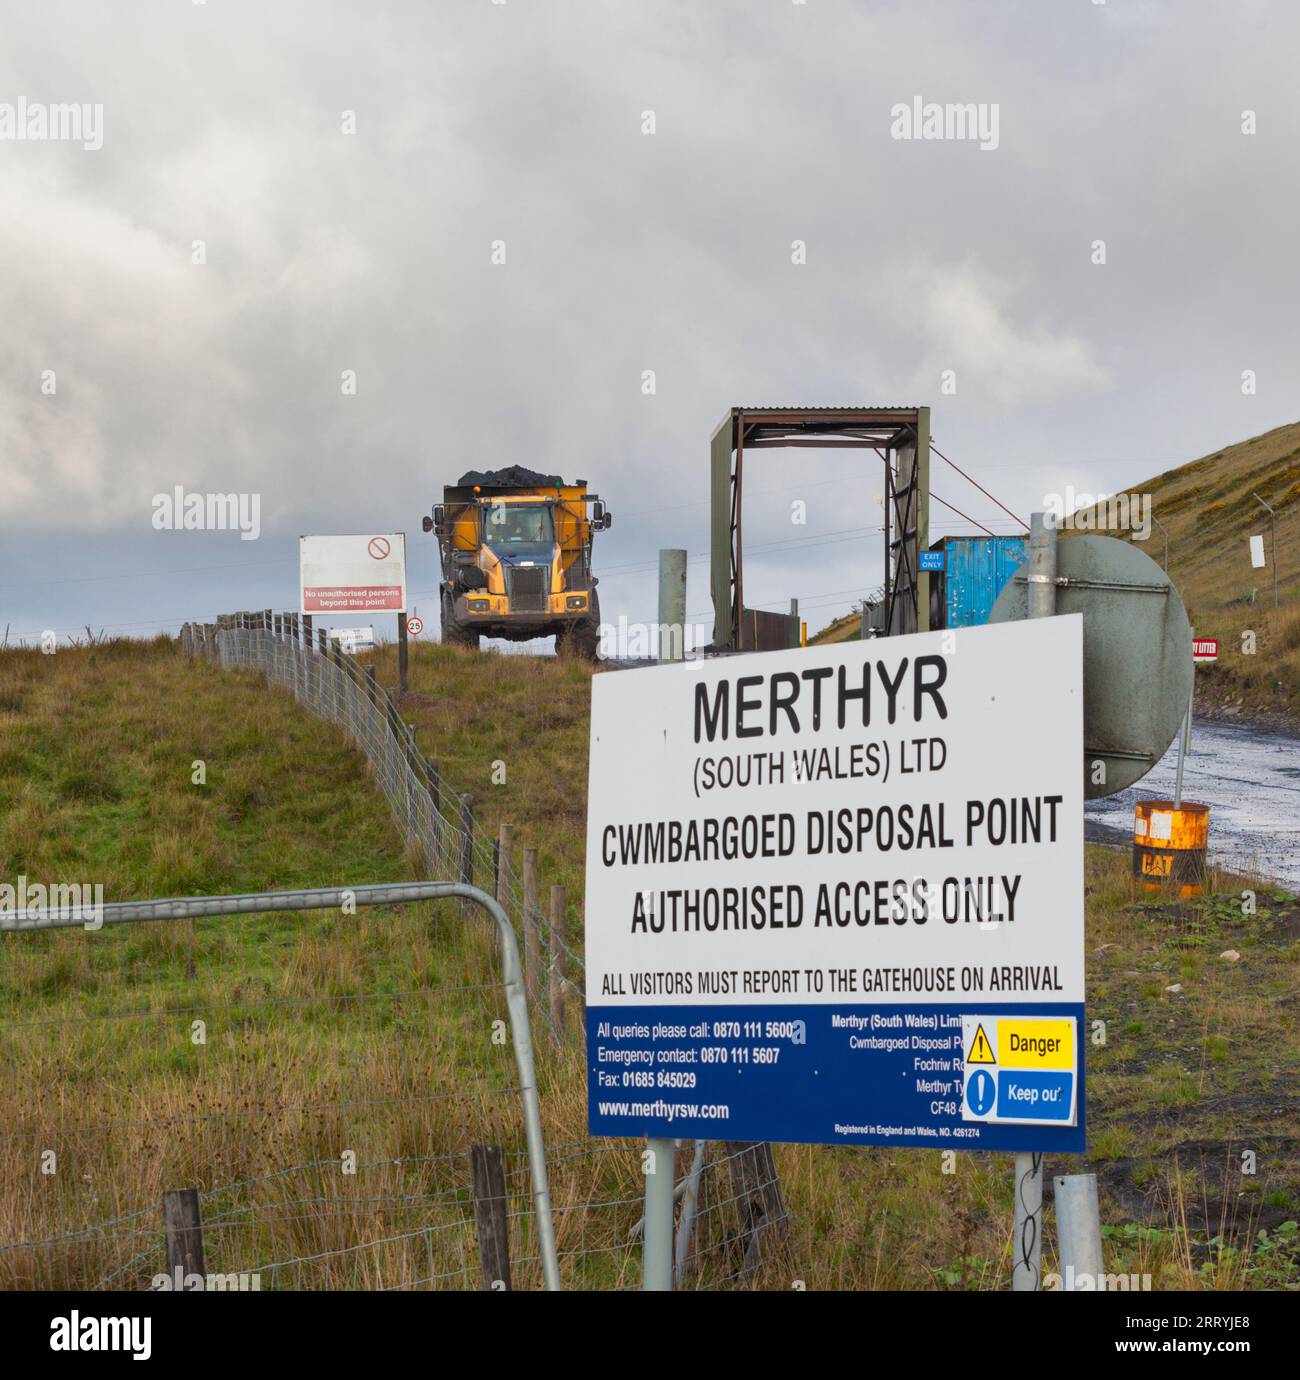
x=379 y=548
x=415 y=626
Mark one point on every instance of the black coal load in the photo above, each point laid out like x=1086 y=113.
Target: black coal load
x=512 y=477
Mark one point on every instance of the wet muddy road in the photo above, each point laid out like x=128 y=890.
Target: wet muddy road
x=1250 y=779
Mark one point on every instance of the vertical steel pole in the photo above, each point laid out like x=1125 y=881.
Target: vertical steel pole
x=672 y=605
x=1027 y=1243
x=1185 y=737
x=690 y=1205
x=660 y=1155
x=1272 y=522
x=1164 y=532
x=1078 y=1230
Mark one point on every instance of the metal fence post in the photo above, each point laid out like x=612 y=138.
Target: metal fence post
x=690 y=1205
x=660 y=1155
x=1027 y=1243
x=1272 y=518
x=1078 y=1231
x=1185 y=737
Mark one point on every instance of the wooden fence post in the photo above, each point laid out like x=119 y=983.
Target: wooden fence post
x=492 y=1215
x=466 y=845
x=183 y=1232
x=439 y=861
x=505 y=864
x=558 y=903
x=532 y=940
x=434 y=778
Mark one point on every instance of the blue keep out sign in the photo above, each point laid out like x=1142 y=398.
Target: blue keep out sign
x=981 y=1092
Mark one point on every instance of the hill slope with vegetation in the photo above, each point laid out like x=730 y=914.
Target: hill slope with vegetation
x=1210 y=512
x=372 y=1033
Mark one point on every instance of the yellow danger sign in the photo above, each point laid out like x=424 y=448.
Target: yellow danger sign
x=981 y=1052
x=1036 y=1044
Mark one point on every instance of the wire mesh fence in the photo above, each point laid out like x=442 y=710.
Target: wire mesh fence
x=429 y=812
x=413 y=1223
x=329 y=1115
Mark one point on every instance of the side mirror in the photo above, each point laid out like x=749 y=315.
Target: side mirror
x=608 y=523
x=427 y=523
x=439 y=518
x=598 y=515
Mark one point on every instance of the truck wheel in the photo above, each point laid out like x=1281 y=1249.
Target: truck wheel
x=454 y=632
x=582 y=639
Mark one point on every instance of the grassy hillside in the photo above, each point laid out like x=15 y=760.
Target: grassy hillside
x=1209 y=509
x=373 y=1033
x=846 y=629
x=319 y=1034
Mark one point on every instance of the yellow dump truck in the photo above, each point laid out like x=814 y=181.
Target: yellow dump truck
x=515 y=547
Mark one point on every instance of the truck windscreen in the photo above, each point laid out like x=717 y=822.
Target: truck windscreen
x=513 y=524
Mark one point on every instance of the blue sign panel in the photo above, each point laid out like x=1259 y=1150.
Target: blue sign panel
x=931 y=560
x=847 y=1075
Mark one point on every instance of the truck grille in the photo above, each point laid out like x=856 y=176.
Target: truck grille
x=527 y=588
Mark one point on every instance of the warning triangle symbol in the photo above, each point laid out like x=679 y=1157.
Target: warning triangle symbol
x=981 y=1052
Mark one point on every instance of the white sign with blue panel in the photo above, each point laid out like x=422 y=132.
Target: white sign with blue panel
x=835 y=894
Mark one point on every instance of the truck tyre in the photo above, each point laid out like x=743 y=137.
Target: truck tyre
x=454 y=632
x=582 y=639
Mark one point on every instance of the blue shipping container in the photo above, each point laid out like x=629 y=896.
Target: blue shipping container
x=977 y=569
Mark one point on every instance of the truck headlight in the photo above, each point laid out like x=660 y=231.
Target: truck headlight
x=479 y=605
x=576 y=601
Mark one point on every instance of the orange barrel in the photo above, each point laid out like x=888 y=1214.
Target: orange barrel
x=1169 y=846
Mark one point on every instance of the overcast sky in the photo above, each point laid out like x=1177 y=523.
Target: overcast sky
x=371 y=251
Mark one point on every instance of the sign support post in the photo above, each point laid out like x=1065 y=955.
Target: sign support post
x=661 y=1155
x=1272 y=517
x=1185 y=739
x=1027 y=1243
x=401 y=652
